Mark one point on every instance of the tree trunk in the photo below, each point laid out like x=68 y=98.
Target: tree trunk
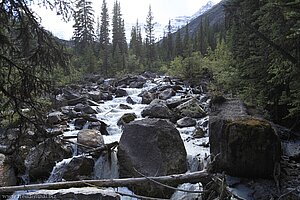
x=195 y=177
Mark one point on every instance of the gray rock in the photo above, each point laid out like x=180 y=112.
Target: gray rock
x=186 y=122
x=42 y=158
x=167 y=94
x=79 y=123
x=124 y=106
x=54 y=117
x=147 y=97
x=198 y=133
x=88 y=110
x=73 y=102
x=79 y=107
x=130 y=100
x=95 y=95
x=153 y=147
x=91 y=138
x=158 y=110
x=121 y=93
x=106 y=96
x=79 y=168
x=136 y=84
x=190 y=108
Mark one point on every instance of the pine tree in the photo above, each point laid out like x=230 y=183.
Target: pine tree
x=98 y=30
x=136 y=43
x=178 y=44
x=187 y=44
x=83 y=34
x=29 y=55
x=265 y=51
x=150 y=38
x=119 y=44
x=104 y=38
x=170 y=50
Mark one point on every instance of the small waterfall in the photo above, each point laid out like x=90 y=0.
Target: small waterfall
x=194 y=163
x=58 y=171
x=106 y=167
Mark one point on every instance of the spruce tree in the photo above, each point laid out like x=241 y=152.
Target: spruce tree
x=170 y=50
x=28 y=57
x=178 y=44
x=150 y=38
x=136 y=42
x=265 y=50
x=119 y=44
x=104 y=38
x=83 y=34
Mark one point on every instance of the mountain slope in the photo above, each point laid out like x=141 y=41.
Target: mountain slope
x=215 y=17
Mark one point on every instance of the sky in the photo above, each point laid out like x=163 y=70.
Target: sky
x=132 y=10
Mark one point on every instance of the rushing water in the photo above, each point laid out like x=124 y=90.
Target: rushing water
x=109 y=112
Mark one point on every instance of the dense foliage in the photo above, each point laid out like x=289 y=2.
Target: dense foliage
x=28 y=55
x=265 y=43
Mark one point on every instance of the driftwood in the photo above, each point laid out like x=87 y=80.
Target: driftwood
x=107 y=147
x=194 y=177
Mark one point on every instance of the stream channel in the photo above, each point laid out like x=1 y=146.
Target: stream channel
x=110 y=112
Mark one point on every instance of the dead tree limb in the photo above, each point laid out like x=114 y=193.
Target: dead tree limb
x=195 y=177
x=108 y=147
x=168 y=186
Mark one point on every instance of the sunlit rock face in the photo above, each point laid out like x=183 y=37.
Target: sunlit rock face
x=154 y=148
x=244 y=146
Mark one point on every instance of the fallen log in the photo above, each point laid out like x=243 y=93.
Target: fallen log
x=194 y=177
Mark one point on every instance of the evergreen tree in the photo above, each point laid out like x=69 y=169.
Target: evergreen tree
x=98 y=30
x=150 y=38
x=104 y=38
x=119 y=44
x=83 y=34
x=187 y=44
x=28 y=57
x=178 y=44
x=170 y=50
x=265 y=53
x=136 y=42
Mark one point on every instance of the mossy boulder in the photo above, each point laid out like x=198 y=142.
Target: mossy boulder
x=126 y=118
x=246 y=147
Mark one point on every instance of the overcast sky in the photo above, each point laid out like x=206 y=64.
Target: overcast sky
x=163 y=10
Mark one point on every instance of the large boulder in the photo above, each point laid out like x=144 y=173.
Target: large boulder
x=42 y=158
x=191 y=109
x=186 y=122
x=121 y=93
x=154 y=148
x=159 y=110
x=147 y=97
x=7 y=173
x=91 y=138
x=244 y=146
x=73 y=169
x=167 y=94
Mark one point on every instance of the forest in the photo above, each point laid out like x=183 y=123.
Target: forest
x=252 y=53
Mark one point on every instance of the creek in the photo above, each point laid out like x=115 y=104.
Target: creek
x=110 y=112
